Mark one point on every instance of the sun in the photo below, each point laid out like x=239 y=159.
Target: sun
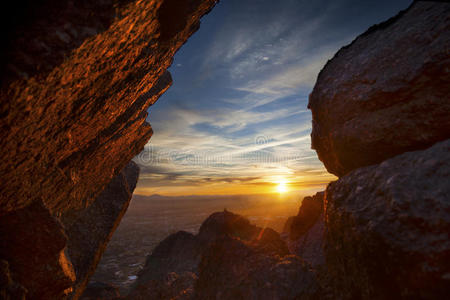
x=281 y=187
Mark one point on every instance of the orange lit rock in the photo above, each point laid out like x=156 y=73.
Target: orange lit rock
x=77 y=79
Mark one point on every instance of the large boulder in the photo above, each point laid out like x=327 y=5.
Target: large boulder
x=387 y=92
x=388 y=228
x=233 y=269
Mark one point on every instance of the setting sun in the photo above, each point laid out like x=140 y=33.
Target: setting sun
x=281 y=187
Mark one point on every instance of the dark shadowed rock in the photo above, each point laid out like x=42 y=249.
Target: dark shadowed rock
x=308 y=215
x=172 y=269
x=387 y=92
x=9 y=289
x=233 y=269
x=33 y=243
x=388 y=228
x=168 y=271
x=180 y=252
x=306 y=231
x=221 y=224
x=226 y=223
x=90 y=230
x=176 y=286
x=100 y=291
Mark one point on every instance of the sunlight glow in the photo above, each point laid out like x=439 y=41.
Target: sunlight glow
x=281 y=187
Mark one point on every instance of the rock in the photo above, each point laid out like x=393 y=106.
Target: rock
x=171 y=270
x=386 y=93
x=180 y=252
x=226 y=223
x=388 y=228
x=310 y=245
x=175 y=259
x=306 y=231
x=89 y=230
x=172 y=286
x=33 y=244
x=232 y=269
x=221 y=224
x=76 y=83
x=100 y=291
x=9 y=289
x=308 y=214
x=75 y=123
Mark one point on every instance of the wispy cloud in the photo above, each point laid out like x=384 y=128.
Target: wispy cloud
x=236 y=114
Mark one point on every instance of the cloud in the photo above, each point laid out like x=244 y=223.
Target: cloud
x=246 y=76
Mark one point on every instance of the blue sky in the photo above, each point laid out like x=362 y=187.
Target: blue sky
x=235 y=119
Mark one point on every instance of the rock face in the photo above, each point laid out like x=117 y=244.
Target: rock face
x=386 y=93
x=76 y=82
x=69 y=126
x=33 y=242
x=308 y=214
x=229 y=259
x=388 y=228
x=90 y=230
x=100 y=290
x=53 y=258
x=231 y=269
x=306 y=231
x=380 y=122
x=9 y=289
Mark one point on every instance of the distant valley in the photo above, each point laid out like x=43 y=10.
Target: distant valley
x=150 y=219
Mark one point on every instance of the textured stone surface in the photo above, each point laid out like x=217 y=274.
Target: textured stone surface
x=387 y=92
x=306 y=231
x=388 y=228
x=69 y=127
x=90 y=230
x=77 y=79
x=225 y=241
x=233 y=269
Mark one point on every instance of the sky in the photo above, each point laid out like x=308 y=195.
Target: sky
x=235 y=120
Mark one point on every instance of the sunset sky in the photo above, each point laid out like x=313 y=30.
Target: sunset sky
x=235 y=119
